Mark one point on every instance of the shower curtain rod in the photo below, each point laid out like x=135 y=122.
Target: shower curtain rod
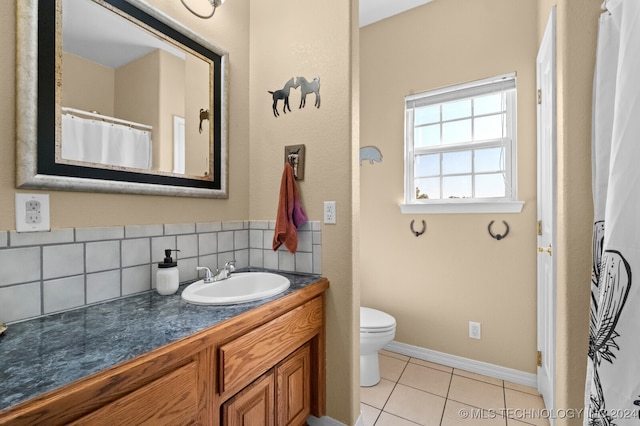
x=113 y=120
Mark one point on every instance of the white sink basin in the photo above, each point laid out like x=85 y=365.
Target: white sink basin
x=240 y=287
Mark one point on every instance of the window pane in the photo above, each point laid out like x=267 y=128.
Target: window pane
x=427 y=189
x=488 y=160
x=491 y=185
x=427 y=165
x=487 y=104
x=490 y=127
x=456 y=131
x=456 y=187
x=426 y=115
x=456 y=162
x=457 y=109
x=427 y=135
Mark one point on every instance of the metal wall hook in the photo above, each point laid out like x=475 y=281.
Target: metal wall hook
x=498 y=236
x=416 y=233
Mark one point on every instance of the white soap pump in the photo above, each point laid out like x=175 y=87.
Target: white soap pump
x=168 y=277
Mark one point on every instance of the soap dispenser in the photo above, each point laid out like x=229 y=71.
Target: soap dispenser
x=167 y=277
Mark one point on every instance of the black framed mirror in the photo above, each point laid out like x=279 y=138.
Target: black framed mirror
x=141 y=134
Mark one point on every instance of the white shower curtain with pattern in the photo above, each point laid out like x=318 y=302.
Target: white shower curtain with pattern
x=613 y=372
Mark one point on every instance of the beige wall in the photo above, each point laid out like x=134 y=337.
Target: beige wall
x=267 y=44
x=576 y=38
x=197 y=96
x=87 y=86
x=285 y=43
x=454 y=273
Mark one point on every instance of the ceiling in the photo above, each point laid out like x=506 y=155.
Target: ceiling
x=375 y=10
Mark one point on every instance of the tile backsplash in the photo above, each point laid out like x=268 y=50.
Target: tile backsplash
x=46 y=272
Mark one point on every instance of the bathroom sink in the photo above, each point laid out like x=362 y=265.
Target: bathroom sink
x=240 y=287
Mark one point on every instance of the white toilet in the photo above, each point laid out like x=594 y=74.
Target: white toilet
x=377 y=328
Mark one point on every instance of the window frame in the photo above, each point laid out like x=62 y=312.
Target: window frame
x=507 y=204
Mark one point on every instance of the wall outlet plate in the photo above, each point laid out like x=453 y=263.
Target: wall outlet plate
x=330 y=212
x=474 y=330
x=32 y=213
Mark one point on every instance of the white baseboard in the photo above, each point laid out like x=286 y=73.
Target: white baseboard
x=491 y=370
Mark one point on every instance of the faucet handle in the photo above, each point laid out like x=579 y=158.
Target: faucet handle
x=230 y=265
x=208 y=277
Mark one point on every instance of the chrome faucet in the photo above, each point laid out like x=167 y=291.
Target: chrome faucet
x=224 y=273
x=208 y=277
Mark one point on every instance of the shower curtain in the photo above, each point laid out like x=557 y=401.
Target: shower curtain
x=97 y=141
x=613 y=369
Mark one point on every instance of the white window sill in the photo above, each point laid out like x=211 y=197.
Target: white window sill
x=448 y=207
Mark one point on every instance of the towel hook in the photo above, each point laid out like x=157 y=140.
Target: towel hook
x=498 y=236
x=418 y=233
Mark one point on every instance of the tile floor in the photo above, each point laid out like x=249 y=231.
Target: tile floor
x=415 y=392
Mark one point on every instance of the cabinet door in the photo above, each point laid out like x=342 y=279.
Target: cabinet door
x=253 y=406
x=293 y=399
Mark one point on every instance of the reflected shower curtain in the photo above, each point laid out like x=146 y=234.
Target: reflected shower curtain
x=613 y=371
x=97 y=141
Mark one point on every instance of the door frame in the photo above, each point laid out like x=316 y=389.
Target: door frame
x=546 y=212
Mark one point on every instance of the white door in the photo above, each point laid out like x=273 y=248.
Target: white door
x=178 y=145
x=546 y=112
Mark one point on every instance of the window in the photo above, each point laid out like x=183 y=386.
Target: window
x=461 y=149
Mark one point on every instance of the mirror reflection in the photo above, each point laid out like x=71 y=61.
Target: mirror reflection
x=131 y=101
x=132 y=98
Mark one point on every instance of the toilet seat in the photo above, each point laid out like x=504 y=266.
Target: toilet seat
x=374 y=321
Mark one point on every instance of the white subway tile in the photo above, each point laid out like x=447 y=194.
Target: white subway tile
x=19 y=302
x=180 y=228
x=232 y=225
x=256 y=259
x=305 y=241
x=225 y=241
x=62 y=261
x=317 y=259
x=208 y=227
x=138 y=231
x=304 y=262
x=103 y=286
x=187 y=269
x=207 y=243
x=267 y=241
x=317 y=237
x=256 y=238
x=100 y=233
x=188 y=246
x=259 y=224
x=102 y=256
x=270 y=259
x=241 y=239
x=63 y=294
x=56 y=236
x=286 y=261
x=136 y=251
x=136 y=279
x=19 y=265
x=4 y=239
x=315 y=225
x=242 y=258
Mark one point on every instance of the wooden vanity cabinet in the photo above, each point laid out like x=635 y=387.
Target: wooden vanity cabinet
x=280 y=397
x=263 y=367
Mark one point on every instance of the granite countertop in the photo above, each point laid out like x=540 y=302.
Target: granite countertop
x=39 y=355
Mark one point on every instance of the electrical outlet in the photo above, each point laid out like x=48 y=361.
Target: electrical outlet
x=32 y=212
x=330 y=212
x=474 y=330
